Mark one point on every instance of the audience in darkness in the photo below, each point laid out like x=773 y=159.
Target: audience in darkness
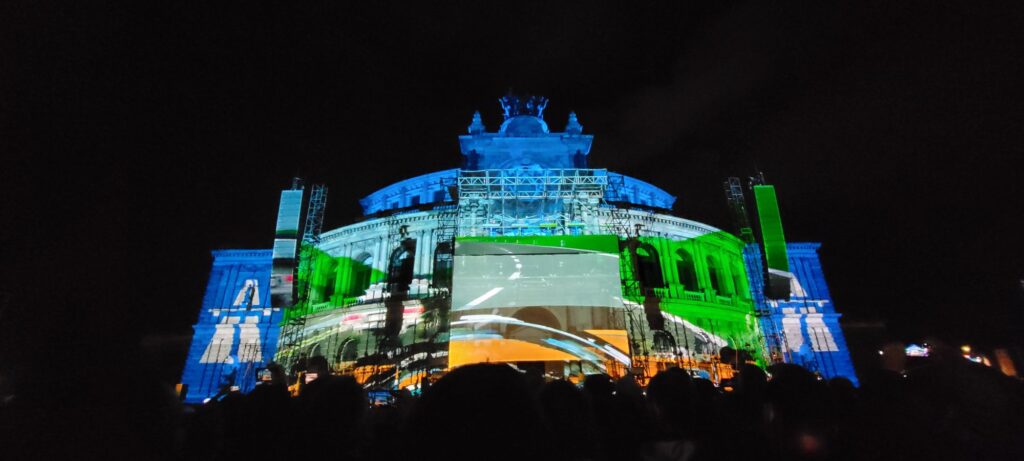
x=946 y=408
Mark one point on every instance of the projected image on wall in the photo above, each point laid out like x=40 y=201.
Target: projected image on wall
x=498 y=274
x=547 y=303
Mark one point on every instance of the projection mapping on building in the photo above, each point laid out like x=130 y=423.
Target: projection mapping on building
x=526 y=255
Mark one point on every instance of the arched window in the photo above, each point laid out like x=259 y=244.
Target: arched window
x=401 y=266
x=331 y=280
x=443 y=258
x=687 y=270
x=715 y=276
x=649 y=267
x=348 y=351
x=535 y=316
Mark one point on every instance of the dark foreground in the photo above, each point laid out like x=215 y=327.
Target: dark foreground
x=945 y=409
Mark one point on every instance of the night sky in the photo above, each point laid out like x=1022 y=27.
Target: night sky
x=135 y=139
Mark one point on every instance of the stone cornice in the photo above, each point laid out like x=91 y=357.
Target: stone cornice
x=660 y=218
x=803 y=246
x=382 y=224
x=242 y=253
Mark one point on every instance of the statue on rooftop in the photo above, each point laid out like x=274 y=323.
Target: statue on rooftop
x=513 y=106
x=573 y=126
x=477 y=125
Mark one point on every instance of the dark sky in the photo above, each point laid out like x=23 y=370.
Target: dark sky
x=136 y=138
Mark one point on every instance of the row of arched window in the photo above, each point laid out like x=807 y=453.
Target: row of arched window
x=397 y=278
x=721 y=280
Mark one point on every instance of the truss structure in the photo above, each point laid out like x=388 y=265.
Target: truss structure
x=532 y=184
x=530 y=202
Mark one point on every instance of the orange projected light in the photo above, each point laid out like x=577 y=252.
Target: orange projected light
x=462 y=352
x=365 y=372
x=617 y=338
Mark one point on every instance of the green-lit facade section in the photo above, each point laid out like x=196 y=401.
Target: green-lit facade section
x=771 y=227
x=702 y=280
x=334 y=281
x=602 y=243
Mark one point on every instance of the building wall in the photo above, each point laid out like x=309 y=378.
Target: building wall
x=350 y=270
x=369 y=245
x=723 y=308
x=805 y=329
x=703 y=281
x=717 y=300
x=237 y=327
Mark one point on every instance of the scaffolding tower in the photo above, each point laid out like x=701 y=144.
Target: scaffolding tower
x=444 y=238
x=618 y=220
x=311 y=231
x=562 y=201
x=738 y=207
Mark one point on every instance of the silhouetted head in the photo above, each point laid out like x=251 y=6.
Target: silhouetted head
x=751 y=380
x=277 y=375
x=671 y=396
x=790 y=375
x=841 y=385
x=704 y=390
x=627 y=387
x=670 y=383
x=599 y=385
x=318 y=364
x=562 y=399
x=568 y=420
x=481 y=410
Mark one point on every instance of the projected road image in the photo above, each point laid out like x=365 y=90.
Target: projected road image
x=514 y=275
x=553 y=303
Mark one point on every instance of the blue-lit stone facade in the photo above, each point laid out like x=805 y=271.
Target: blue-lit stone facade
x=522 y=144
x=237 y=331
x=805 y=329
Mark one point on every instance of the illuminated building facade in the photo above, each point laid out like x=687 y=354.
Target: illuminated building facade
x=526 y=255
x=237 y=330
x=805 y=328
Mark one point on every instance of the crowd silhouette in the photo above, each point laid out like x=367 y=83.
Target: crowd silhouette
x=943 y=408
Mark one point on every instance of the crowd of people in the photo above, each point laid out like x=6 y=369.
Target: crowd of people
x=945 y=408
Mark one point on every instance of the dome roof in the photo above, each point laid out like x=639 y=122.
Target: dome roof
x=524 y=126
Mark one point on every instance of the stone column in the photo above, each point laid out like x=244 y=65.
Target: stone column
x=344 y=269
x=418 y=254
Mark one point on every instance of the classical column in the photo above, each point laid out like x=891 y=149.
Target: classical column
x=378 y=255
x=418 y=254
x=700 y=263
x=344 y=269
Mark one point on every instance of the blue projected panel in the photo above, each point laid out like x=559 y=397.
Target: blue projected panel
x=237 y=331
x=803 y=329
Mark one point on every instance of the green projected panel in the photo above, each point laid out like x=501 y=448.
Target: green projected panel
x=700 y=286
x=602 y=243
x=334 y=281
x=771 y=228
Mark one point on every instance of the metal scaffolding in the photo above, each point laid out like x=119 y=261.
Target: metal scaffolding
x=295 y=330
x=530 y=202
